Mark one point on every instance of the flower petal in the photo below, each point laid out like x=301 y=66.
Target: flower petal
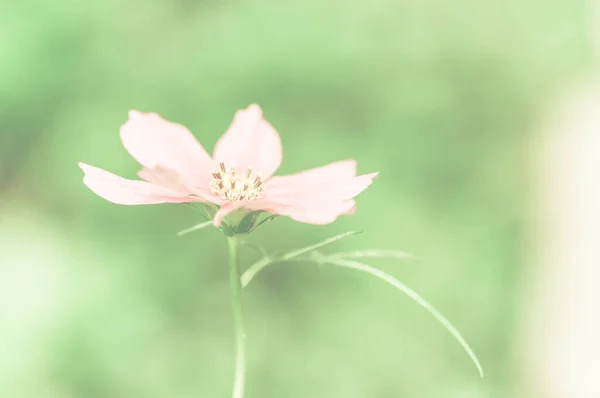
x=164 y=177
x=224 y=210
x=128 y=192
x=323 y=213
x=333 y=182
x=156 y=142
x=316 y=196
x=306 y=181
x=169 y=179
x=250 y=141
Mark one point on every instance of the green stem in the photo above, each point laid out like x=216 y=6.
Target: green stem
x=238 y=317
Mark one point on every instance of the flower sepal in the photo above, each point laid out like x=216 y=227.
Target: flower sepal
x=243 y=222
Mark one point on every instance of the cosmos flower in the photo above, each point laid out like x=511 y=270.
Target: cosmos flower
x=239 y=175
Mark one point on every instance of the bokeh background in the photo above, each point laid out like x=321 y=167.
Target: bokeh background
x=443 y=98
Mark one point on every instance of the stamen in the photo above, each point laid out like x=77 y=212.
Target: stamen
x=230 y=186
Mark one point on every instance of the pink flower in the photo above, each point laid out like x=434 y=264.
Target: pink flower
x=177 y=169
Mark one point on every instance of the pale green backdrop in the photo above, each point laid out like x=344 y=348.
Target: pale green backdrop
x=99 y=300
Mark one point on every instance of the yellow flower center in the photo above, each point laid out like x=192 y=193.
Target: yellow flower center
x=229 y=186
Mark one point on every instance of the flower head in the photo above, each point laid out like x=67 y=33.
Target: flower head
x=239 y=175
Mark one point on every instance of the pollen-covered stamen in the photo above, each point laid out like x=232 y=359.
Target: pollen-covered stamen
x=229 y=186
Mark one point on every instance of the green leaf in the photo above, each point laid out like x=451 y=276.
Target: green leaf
x=414 y=296
x=398 y=254
x=265 y=261
x=247 y=223
x=210 y=210
x=226 y=229
x=256 y=247
x=264 y=220
x=196 y=227
x=308 y=249
x=202 y=213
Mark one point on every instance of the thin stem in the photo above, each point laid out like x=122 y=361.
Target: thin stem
x=238 y=317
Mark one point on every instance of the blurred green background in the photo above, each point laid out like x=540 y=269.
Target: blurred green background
x=100 y=300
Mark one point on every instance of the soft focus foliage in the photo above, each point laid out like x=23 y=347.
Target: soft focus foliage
x=99 y=300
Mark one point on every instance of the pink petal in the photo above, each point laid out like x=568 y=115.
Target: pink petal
x=128 y=192
x=224 y=211
x=334 y=182
x=316 y=196
x=322 y=214
x=342 y=170
x=250 y=141
x=318 y=214
x=164 y=177
x=158 y=143
x=169 y=179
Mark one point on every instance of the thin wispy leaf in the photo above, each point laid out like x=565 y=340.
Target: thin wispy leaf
x=393 y=281
x=265 y=261
x=196 y=227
